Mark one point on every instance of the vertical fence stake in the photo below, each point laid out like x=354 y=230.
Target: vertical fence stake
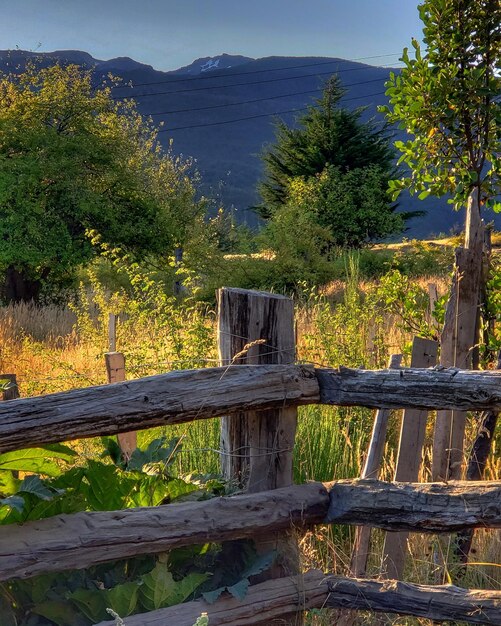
x=371 y=470
x=361 y=543
x=475 y=471
x=12 y=391
x=112 y=332
x=115 y=371
x=258 y=328
x=410 y=452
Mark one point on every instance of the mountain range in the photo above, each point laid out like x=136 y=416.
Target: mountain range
x=221 y=110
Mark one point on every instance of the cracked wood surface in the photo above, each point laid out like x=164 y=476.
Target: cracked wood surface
x=266 y=603
x=89 y=538
x=437 y=388
x=184 y=396
x=172 y=398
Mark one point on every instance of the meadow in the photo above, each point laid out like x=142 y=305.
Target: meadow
x=357 y=320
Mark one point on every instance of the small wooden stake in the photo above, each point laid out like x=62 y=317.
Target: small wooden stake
x=475 y=471
x=112 y=332
x=412 y=435
x=12 y=392
x=371 y=470
x=115 y=370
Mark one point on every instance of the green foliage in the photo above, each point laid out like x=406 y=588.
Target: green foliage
x=447 y=99
x=327 y=135
x=120 y=588
x=81 y=598
x=340 y=209
x=239 y=589
x=175 y=334
x=72 y=160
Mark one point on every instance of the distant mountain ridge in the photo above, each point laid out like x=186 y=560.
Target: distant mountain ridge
x=209 y=64
x=220 y=111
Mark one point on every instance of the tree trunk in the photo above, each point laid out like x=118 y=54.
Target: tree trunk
x=18 y=287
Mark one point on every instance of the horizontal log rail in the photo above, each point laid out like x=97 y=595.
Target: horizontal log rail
x=411 y=388
x=90 y=538
x=173 y=398
x=416 y=507
x=189 y=395
x=267 y=603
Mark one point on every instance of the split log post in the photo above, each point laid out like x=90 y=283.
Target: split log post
x=371 y=469
x=459 y=336
x=12 y=390
x=475 y=470
x=410 y=452
x=433 y=297
x=361 y=543
x=115 y=371
x=258 y=328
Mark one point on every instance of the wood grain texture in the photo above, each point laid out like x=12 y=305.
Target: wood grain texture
x=257 y=328
x=421 y=507
x=115 y=372
x=458 y=340
x=172 y=398
x=411 y=388
x=267 y=602
x=371 y=469
x=88 y=538
x=184 y=396
x=410 y=453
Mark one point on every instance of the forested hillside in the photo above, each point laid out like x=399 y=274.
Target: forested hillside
x=221 y=112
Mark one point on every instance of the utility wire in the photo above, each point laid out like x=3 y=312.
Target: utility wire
x=252 y=117
x=274 y=69
x=232 y=104
x=256 y=82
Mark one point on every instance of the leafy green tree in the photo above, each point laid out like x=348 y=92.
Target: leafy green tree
x=353 y=206
x=328 y=135
x=447 y=99
x=73 y=161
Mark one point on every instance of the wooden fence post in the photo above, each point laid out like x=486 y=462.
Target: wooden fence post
x=372 y=465
x=115 y=372
x=412 y=435
x=458 y=341
x=257 y=448
x=12 y=392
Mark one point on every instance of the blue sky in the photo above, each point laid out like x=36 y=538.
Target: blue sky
x=170 y=33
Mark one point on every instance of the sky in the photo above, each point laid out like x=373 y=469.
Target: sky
x=168 y=34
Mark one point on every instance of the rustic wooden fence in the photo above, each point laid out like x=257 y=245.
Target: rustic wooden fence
x=268 y=391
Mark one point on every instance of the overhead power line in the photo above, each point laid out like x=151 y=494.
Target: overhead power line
x=252 y=117
x=256 y=82
x=273 y=69
x=242 y=102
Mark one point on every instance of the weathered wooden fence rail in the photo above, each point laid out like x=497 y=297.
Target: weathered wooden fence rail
x=89 y=538
x=184 y=396
x=267 y=602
